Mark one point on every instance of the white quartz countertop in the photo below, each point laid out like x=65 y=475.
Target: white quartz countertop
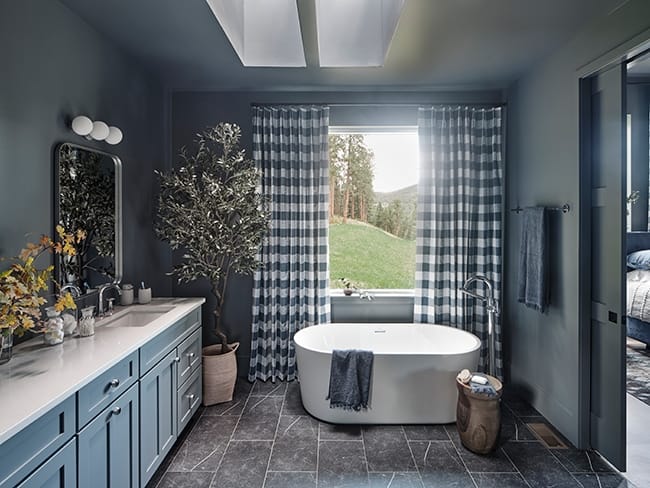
x=39 y=377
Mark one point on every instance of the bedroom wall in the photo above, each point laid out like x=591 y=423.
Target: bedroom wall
x=55 y=66
x=543 y=167
x=193 y=111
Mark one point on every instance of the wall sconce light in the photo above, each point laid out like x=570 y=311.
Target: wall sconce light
x=98 y=130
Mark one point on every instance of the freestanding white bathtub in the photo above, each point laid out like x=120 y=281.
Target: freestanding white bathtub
x=413 y=377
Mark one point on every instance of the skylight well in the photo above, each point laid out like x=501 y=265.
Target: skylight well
x=267 y=33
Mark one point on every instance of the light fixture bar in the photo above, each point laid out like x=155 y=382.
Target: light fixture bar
x=263 y=33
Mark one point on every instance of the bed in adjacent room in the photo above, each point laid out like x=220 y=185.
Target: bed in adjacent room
x=638 y=286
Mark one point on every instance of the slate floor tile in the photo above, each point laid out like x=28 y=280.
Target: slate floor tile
x=603 y=480
x=426 y=432
x=296 y=444
x=342 y=464
x=513 y=428
x=395 y=480
x=185 y=480
x=440 y=465
x=244 y=465
x=387 y=448
x=578 y=461
x=203 y=448
x=538 y=466
x=499 y=480
x=268 y=388
x=293 y=400
x=279 y=479
x=256 y=428
x=342 y=432
x=260 y=405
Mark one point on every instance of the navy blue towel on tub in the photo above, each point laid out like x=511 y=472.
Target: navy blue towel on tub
x=350 y=376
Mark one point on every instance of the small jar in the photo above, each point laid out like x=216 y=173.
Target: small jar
x=69 y=324
x=127 y=295
x=53 y=330
x=87 y=322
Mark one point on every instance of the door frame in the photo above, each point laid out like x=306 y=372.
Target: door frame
x=622 y=53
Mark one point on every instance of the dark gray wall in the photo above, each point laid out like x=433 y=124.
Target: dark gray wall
x=53 y=67
x=543 y=155
x=638 y=103
x=193 y=111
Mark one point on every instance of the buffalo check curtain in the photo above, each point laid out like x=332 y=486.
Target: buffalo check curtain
x=291 y=288
x=459 y=217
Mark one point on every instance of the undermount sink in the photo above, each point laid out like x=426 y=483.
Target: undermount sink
x=134 y=317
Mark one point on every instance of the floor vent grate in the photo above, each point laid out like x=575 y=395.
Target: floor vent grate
x=546 y=436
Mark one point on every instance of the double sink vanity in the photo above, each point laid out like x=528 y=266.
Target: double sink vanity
x=104 y=410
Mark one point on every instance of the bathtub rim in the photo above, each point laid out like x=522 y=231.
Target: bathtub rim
x=477 y=345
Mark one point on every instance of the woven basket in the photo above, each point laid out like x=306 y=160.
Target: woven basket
x=219 y=374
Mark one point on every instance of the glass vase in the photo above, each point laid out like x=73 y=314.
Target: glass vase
x=53 y=330
x=86 y=322
x=6 y=345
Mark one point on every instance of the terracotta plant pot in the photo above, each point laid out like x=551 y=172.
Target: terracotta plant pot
x=219 y=374
x=348 y=291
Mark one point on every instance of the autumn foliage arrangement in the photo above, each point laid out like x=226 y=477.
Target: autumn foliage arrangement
x=23 y=283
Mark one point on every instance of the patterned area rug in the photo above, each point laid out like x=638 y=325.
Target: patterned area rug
x=638 y=371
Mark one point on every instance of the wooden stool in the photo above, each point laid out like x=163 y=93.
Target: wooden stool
x=478 y=417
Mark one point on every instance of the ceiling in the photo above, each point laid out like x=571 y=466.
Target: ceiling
x=439 y=44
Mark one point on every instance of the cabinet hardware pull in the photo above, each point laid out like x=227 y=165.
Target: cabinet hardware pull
x=115 y=383
x=116 y=411
x=177 y=360
x=190 y=355
x=190 y=397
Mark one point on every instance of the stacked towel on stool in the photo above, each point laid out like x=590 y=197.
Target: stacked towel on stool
x=350 y=376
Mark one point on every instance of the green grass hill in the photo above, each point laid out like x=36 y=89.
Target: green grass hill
x=370 y=257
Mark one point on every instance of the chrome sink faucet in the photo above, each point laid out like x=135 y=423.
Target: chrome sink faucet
x=75 y=291
x=100 y=300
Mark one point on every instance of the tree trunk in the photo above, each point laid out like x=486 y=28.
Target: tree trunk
x=220 y=295
x=348 y=182
x=332 y=197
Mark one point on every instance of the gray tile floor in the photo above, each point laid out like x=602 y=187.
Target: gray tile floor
x=265 y=439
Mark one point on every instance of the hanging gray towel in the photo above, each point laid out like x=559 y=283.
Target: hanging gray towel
x=350 y=376
x=533 y=260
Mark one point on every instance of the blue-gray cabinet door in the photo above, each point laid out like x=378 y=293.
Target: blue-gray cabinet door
x=60 y=471
x=157 y=415
x=108 y=446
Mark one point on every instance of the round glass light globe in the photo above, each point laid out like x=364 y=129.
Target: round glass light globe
x=100 y=131
x=82 y=125
x=114 y=135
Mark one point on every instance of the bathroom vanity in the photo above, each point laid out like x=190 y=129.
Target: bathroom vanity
x=104 y=410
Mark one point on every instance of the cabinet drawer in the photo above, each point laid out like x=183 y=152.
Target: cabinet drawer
x=108 y=446
x=157 y=348
x=98 y=394
x=189 y=399
x=60 y=471
x=189 y=353
x=36 y=442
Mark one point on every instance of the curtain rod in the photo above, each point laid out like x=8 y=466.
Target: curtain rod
x=380 y=104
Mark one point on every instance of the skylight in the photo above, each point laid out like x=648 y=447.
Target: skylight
x=263 y=33
x=355 y=33
x=267 y=33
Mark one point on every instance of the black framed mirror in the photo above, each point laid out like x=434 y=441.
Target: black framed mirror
x=88 y=198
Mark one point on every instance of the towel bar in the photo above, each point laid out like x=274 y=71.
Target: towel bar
x=564 y=209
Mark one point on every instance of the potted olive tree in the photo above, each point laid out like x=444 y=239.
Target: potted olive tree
x=210 y=209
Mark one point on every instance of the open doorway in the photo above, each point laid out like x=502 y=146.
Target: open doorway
x=638 y=272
